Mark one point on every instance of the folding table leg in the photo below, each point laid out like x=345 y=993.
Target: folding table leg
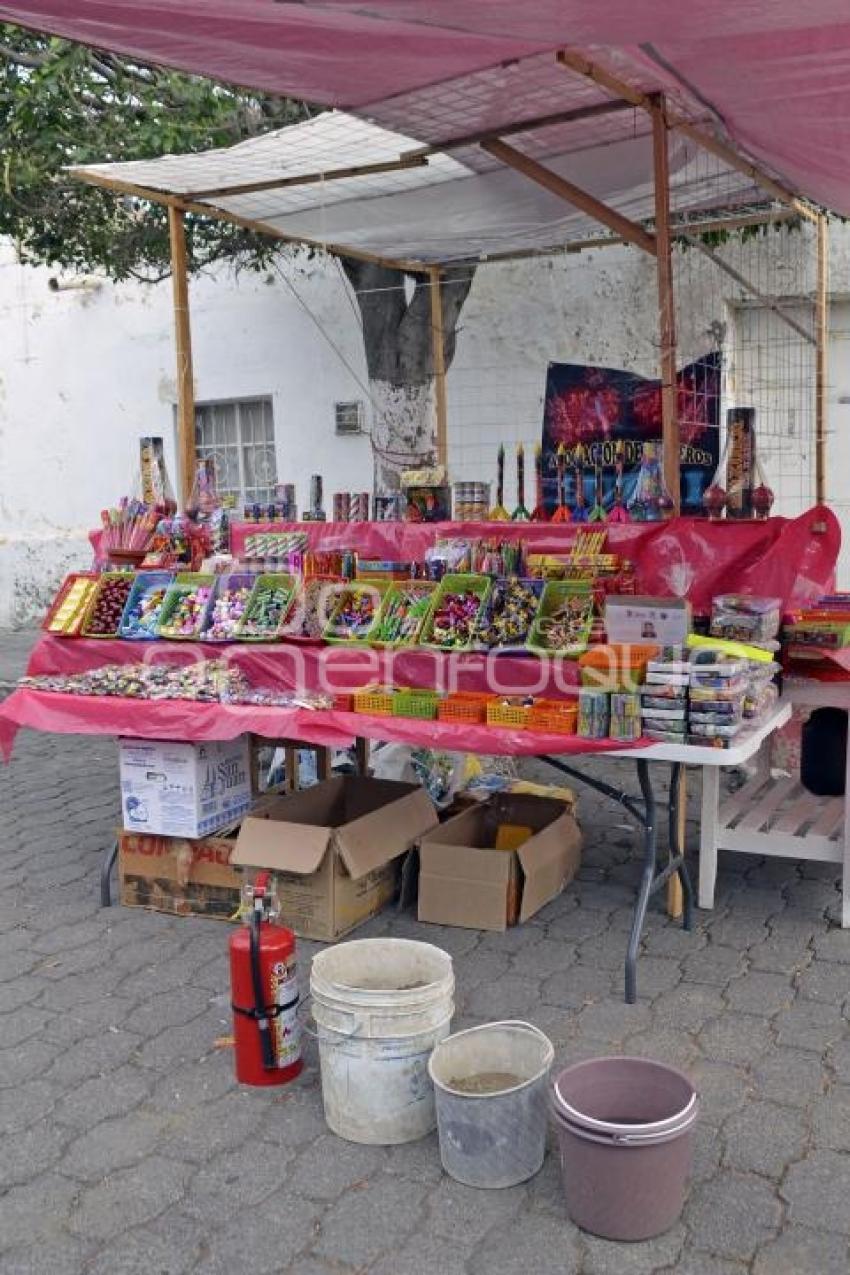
x=708 y=835
x=650 y=850
x=106 y=865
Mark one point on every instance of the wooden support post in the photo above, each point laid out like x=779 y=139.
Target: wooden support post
x=438 y=355
x=628 y=230
x=675 y=894
x=666 y=303
x=183 y=347
x=821 y=343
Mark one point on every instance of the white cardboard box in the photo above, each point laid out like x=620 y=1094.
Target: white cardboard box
x=175 y=789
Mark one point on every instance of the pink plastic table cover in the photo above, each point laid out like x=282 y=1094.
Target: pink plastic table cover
x=182 y=719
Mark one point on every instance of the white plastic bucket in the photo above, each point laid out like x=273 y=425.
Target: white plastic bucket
x=380 y=1007
x=495 y=1138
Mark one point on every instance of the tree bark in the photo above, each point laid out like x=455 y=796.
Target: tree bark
x=399 y=359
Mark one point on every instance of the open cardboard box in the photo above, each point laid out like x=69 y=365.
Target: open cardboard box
x=465 y=880
x=334 y=849
x=181 y=875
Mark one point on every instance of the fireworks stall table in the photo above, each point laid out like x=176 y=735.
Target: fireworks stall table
x=69 y=714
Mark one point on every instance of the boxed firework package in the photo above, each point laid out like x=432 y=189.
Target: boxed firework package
x=176 y=789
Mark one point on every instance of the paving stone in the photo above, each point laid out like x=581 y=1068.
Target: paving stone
x=113 y=1144
x=22 y=1062
x=506 y=997
x=30 y=1151
x=760 y=992
x=578 y=986
x=831 y=1119
x=703 y=1264
x=170 y=1246
x=732 y=1216
x=799 y=1251
x=94 y=1055
x=238 y=1180
x=330 y=1166
x=540 y=959
x=735 y=1038
x=722 y=1088
x=839 y=1059
x=688 y=1007
x=833 y=945
x=226 y=1123
x=25 y=1104
x=367 y=1224
x=816 y=1189
x=606 y=1257
x=465 y=1215
x=791 y=1076
x=35 y=1212
x=128 y=1198
x=708 y=1150
x=763 y=1138
x=613 y=1020
x=419 y=1160
x=423 y=1253
x=782 y=953
x=101 y=1097
x=64 y=1255
x=262 y=1239
x=545 y=1191
x=665 y=1044
x=539 y=1244
x=809 y=1025
x=825 y=981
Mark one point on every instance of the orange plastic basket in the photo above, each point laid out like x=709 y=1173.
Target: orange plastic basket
x=558 y=716
x=504 y=713
x=374 y=700
x=464 y=706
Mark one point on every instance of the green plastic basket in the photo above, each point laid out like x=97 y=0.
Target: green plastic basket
x=425 y=589
x=480 y=585
x=332 y=634
x=555 y=594
x=273 y=579
x=416 y=703
x=184 y=583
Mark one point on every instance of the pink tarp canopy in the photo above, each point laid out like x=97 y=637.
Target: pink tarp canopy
x=772 y=75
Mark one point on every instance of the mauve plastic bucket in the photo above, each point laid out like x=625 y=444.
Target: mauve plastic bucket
x=625 y=1131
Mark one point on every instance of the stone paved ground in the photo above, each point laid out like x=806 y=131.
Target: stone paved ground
x=127 y=1147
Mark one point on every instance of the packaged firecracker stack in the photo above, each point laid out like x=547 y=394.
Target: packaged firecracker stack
x=716 y=692
x=664 y=698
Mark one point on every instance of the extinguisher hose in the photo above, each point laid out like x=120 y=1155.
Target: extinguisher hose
x=263 y=1026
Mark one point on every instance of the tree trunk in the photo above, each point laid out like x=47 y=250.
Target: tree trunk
x=399 y=360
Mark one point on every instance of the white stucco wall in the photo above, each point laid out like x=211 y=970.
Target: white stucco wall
x=83 y=374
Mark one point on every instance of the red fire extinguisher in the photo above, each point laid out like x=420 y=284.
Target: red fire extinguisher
x=264 y=995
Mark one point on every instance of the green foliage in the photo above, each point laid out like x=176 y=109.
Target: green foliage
x=63 y=104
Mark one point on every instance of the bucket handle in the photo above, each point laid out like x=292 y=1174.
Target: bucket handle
x=606 y=1127
x=306 y=999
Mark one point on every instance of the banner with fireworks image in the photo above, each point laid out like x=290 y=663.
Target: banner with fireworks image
x=603 y=418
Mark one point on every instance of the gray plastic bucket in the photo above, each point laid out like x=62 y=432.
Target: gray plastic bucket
x=625 y=1131
x=497 y=1138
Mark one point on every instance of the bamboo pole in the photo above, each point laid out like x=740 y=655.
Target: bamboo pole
x=821 y=352
x=438 y=355
x=186 y=453
x=675 y=894
x=666 y=304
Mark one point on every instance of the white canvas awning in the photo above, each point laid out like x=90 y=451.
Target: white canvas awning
x=444 y=207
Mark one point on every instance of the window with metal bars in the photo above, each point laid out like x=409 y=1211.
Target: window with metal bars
x=238 y=437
